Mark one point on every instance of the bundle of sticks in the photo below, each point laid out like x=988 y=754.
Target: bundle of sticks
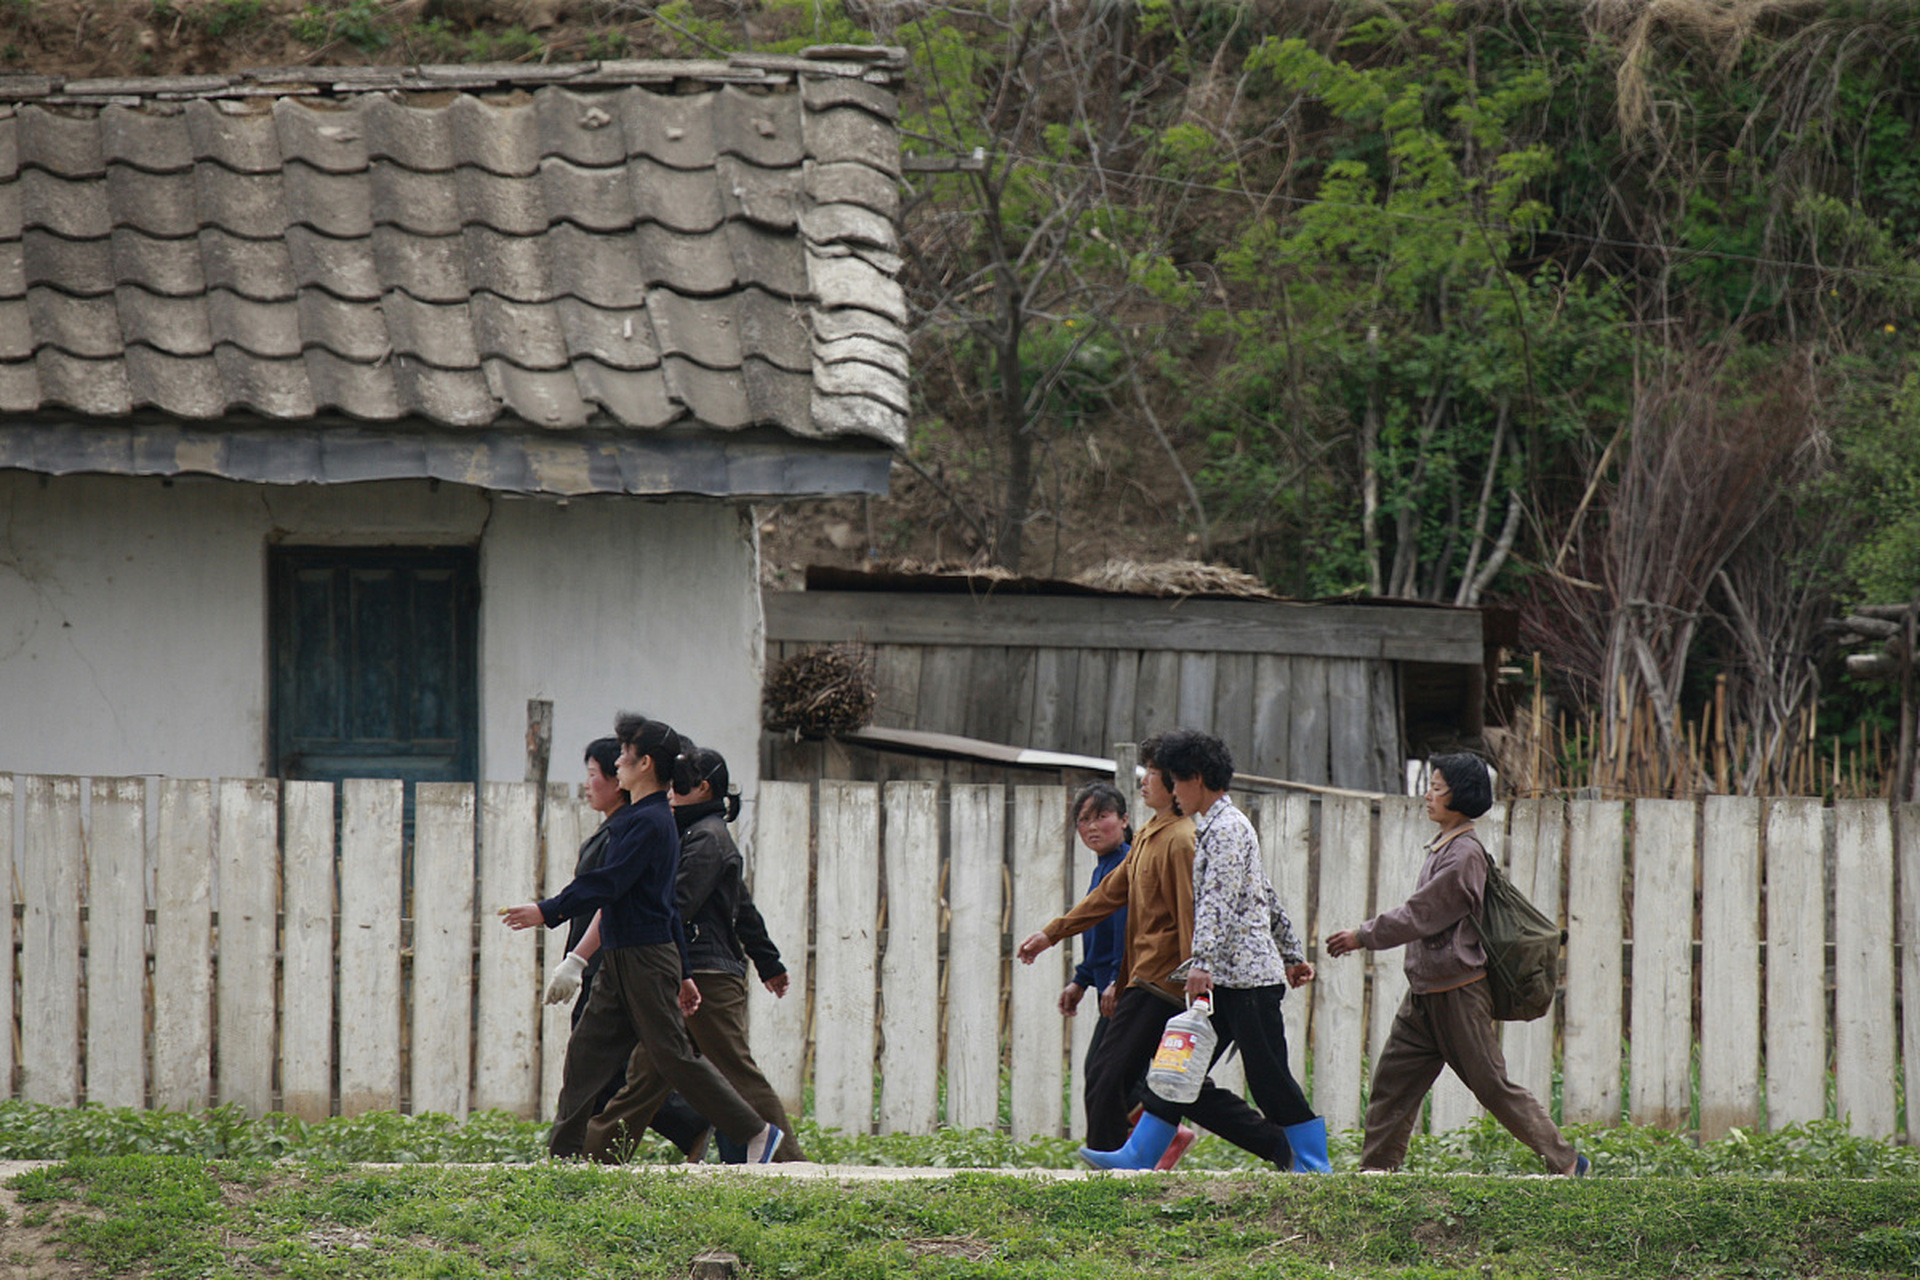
x=821 y=691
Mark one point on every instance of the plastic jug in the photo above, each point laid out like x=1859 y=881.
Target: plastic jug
x=1181 y=1062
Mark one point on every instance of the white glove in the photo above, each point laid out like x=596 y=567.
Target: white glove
x=563 y=984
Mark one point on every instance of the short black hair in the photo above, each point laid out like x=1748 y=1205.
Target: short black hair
x=1106 y=798
x=1149 y=752
x=696 y=765
x=1189 y=753
x=653 y=738
x=604 y=752
x=1469 y=781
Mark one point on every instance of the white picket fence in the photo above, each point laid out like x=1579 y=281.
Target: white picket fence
x=184 y=942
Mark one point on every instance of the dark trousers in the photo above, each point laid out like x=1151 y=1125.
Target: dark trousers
x=635 y=1006
x=1117 y=1063
x=1450 y=1029
x=1250 y=1018
x=718 y=1028
x=675 y=1121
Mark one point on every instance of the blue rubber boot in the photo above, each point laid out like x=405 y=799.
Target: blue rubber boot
x=1145 y=1145
x=1309 y=1142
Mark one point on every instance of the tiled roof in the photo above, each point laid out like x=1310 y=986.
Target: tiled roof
x=635 y=244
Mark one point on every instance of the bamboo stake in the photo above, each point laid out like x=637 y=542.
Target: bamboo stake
x=1539 y=709
x=1720 y=734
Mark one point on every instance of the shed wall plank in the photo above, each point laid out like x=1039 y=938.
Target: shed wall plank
x=987 y=713
x=910 y=1050
x=117 y=943
x=1796 y=949
x=1729 y=965
x=183 y=947
x=1022 y=678
x=1660 y=1091
x=946 y=682
x=1087 y=734
x=846 y=956
x=1156 y=698
x=50 y=941
x=249 y=899
x=780 y=860
x=506 y=1047
x=1038 y=1040
x=1272 y=716
x=1350 y=754
x=1199 y=682
x=896 y=686
x=1123 y=680
x=1592 y=1007
x=1307 y=741
x=1056 y=675
x=441 y=1030
x=306 y=970
x=370 y=844
x=1864 y=1018
x=976 y=862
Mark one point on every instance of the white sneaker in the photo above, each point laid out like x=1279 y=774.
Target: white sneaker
x=760 y=1150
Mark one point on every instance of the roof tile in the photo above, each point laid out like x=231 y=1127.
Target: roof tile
x=237 y=136
x=857 y=415
x=585 y=130
x=846 y=133
x=717 y=398
x=259 y=269
x=344 y=268
x=851 y=282
x=363 y=390
x=503 y=140
x=686 y=200
x=674 y=128
x=512 y=266
x=337 y=205
x=190 y=386
x=856 y=322
x=771 y=261
x=775 y=328
x=762 y=129
x=593 y=199
x=770 y=197
x=13 y=269
x=702 y=329
x=421 y=140
x=514 y=206
x=328 y=137
x=247 y=204
x=9 y=144
x=856 y=379
x=430 y=268
x=65 y=145
x=458 y=397
x=16 y=330
x=154 y=138
x=160 y=204
x=440 y=334
x=849 y=182
x=528 y=335
x=427 y=204
x=9 y=210
x=271 y=388
x=828 y=223
x=880 y=354
x=547 y=399
x=85 y=386
x=779 y=396
x=638 y=397
x=268 y=330
x=354 y=331
x=20 y=387
x=177 y=326
x=621 y=337
x=76 y=210
x=818 y=93
x=84 y=267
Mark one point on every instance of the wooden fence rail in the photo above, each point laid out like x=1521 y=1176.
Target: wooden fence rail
x=179 y=943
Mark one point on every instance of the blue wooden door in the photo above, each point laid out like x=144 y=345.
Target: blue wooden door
x=374 y=667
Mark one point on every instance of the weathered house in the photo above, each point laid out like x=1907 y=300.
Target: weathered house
x=342 y=411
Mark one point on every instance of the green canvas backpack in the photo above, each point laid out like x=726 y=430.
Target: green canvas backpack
x=1523 y=950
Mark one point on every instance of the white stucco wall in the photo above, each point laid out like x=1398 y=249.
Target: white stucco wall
x=133 y=617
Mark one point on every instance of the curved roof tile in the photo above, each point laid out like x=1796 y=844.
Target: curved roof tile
x=632 y=244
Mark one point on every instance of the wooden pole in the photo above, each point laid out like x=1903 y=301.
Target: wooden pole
x=539 y=752
x=1539 y=711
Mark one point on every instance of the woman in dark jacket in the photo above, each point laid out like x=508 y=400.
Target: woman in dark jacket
x=724 y=930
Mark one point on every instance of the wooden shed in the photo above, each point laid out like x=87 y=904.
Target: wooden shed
x=1337 y=693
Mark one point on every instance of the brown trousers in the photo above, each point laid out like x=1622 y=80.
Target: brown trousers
x=633 y=1013
x=1450 y=1029
x=718 y=1029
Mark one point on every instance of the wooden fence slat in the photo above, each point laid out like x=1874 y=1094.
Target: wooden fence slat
x=1307 y=741
x=1386 y=756
x=1863 y=970
x=976 y=843
x=1285 y=823
x=568 y=822
x=1272 y=716
x=1404 y=831
x=1796 y=953
x=244 y=978
x=306 y=967
x=6 y=934
x=909 y=1056
x=1660 y=1087
x=846 y=956
x=183 y=946
x=117 y=943
x=1038 y=1040
x=1079 y=1041
x=910 y=1048
x=370 y=844
x=1339 y=1034
x=780 y=866
x=50 y=942
x=505 y=1041
x=1592 y=1005
x=1534 y=852
x=440 y=1044
x=1453 y=1105
x=1909 y=854
x=1729 y=965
